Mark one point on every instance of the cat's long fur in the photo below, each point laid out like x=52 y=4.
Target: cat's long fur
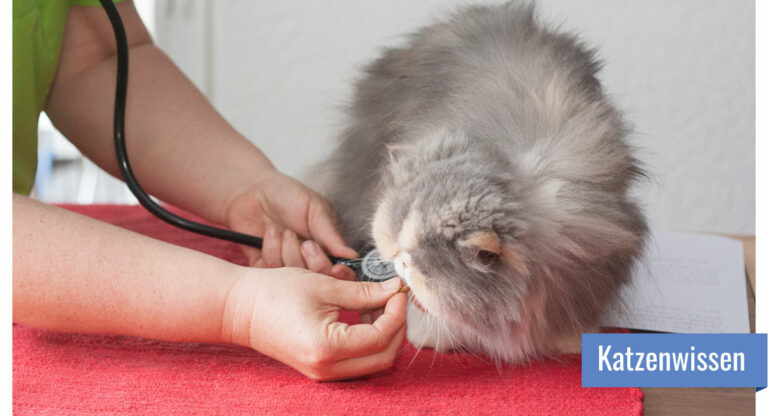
x=489 y=124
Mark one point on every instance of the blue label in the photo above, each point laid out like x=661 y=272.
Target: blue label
x=673 y=360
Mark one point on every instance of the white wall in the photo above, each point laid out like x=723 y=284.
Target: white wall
x=682 y=70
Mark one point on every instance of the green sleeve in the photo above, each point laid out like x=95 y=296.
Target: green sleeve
x=38 y=28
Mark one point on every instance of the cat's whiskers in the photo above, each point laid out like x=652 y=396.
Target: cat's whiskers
x=418 y=349
x=463 y=346
x=497 y=363
x=437 y=344
x=453 y=345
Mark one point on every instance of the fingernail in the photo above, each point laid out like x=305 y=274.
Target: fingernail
x=391 y=283
x=309 y=247
x=272 y=231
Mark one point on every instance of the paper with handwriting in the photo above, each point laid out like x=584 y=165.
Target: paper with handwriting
x=687 y=283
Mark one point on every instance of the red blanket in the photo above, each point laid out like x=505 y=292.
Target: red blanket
x=77 y=374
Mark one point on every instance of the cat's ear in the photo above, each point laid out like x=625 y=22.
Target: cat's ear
x=484 y=247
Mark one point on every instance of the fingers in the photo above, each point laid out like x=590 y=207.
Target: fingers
x=361 y=295
x=291 y=252
x=322 y=228
x=285 y=249
x=393 y=314
x=357 y=350
x=272 y=248
x=316 y=260
x=342 y=272
x=348 y=341
x=360 y=366
x=252 y=254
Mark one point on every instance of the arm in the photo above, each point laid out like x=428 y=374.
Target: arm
x=181 y=149
x=114 y=282
x=169 y=123
x=75 y=274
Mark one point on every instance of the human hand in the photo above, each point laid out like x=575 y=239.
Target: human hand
x=284 y=203
x=292 y=316
x=285 y=249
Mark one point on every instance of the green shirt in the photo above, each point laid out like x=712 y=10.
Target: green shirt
x=38 y=28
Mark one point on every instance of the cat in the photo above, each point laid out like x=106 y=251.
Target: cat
x=484 y=158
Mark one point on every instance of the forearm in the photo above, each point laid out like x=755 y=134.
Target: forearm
x=75 y=274
x=181 y=149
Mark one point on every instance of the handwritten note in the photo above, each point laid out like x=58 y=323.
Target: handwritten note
x=687 y=283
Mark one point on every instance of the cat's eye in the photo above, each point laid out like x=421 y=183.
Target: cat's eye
x=486 y=258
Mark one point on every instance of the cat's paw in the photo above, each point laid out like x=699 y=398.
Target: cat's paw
x=427 y=331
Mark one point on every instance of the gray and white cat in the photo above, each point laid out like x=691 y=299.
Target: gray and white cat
x=486 y=160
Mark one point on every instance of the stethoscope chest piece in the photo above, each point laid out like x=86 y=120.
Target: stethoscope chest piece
x=371 y=268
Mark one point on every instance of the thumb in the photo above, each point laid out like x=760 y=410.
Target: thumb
x=363 y=295
x=322 y=228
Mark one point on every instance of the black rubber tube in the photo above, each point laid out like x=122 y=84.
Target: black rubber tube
x=121 y=152
x=121 y=92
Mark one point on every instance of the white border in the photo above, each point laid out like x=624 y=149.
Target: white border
x=761 y=313
x=6 y=98
x=5 y=195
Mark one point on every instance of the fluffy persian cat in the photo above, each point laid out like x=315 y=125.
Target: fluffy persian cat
x=485 y=159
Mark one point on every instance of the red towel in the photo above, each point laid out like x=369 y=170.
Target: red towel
x=57 y=373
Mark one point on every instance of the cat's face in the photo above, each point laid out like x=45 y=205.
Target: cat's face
x=452 y=227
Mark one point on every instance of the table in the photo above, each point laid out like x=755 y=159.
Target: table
x=710 y=401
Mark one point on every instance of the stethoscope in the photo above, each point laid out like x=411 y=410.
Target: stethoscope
x=369 y=267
